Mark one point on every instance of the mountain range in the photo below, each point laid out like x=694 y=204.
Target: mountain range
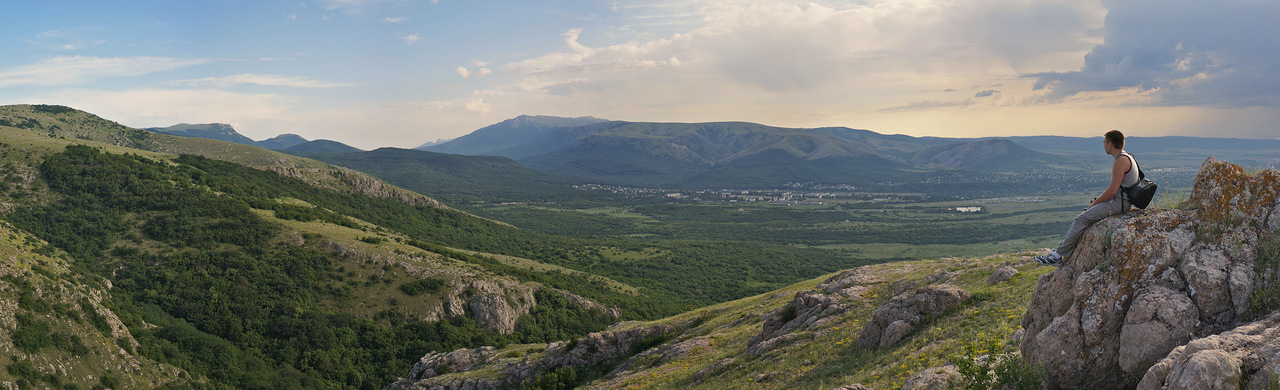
x=224 y=132
x=736 y=154
x=749 y=155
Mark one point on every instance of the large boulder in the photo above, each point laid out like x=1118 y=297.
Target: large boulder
x=895 y=319
x=1247 y=357
x=1144 y=282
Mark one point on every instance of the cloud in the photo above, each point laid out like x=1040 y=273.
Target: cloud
x=478 y=73
x=162 y=107
x=63 y=41
x=64 y=70
x=986 y=93
x=394 y=20
x=411 y=38
x=1184 y=52
x=270 y=80
x=926 y=105
x=784 y=47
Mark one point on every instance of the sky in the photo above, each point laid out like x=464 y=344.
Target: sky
x=399 y=73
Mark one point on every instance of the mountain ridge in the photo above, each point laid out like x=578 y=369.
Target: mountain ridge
x=225 y=132
x=680 y=154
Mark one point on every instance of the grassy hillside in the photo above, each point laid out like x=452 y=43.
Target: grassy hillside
x=211 y=278
x=708 y=348
x=59 y=331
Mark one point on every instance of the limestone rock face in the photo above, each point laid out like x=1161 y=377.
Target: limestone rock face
x=499 y=303
x=895 y=318
x=1246 y=357
x=1144 y=282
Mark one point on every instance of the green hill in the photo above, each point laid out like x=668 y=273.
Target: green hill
x=320 y=146
x=460 y=179
x=218 y=131
x=282 y=141
x=517 y=131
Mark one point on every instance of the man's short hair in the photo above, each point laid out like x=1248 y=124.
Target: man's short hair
x=1116 y=138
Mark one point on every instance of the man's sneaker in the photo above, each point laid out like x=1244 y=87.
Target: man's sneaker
x=1049 y=259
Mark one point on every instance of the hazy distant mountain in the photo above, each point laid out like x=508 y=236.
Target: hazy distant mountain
x=224 y=132
x=729 y=154
x=218 y=131
x=458 y=178
x=520 y=130
x=433 y=143
x=321 y=146
x=282 y=141
x=986 y=155
x=741 y=154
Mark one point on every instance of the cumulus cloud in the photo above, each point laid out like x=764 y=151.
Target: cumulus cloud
x=784 y=47
x=65 y=70
x=478 y=73
x=411 y=38
x=270 y=80
x=394 y=20
x=1184 y=52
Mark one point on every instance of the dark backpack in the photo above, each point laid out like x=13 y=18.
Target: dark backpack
x=1140 y=194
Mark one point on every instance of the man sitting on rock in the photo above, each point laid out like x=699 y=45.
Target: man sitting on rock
x=1124 y=173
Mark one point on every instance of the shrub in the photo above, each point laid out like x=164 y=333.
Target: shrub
x=1267 y=267
x=992 y=365
x=420 y=286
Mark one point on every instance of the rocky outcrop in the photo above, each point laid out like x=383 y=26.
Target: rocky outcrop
x=1247 y=357
x=1001 y=275
x=588 y=304
x=495 y=302
x=456 y=370
x=937 y=378
x=806 y=310
x=1144 y=282
x=895 y=319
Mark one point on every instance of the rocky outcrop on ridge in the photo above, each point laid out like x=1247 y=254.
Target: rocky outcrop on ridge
x=1143 y=283
x=483 y=368
x=895 y=319
x=806 y=310
x=495 y=302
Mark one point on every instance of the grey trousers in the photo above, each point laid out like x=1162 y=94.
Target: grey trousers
x=1117 y=205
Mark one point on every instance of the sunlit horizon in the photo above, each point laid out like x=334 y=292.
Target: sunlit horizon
x=400 y=73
